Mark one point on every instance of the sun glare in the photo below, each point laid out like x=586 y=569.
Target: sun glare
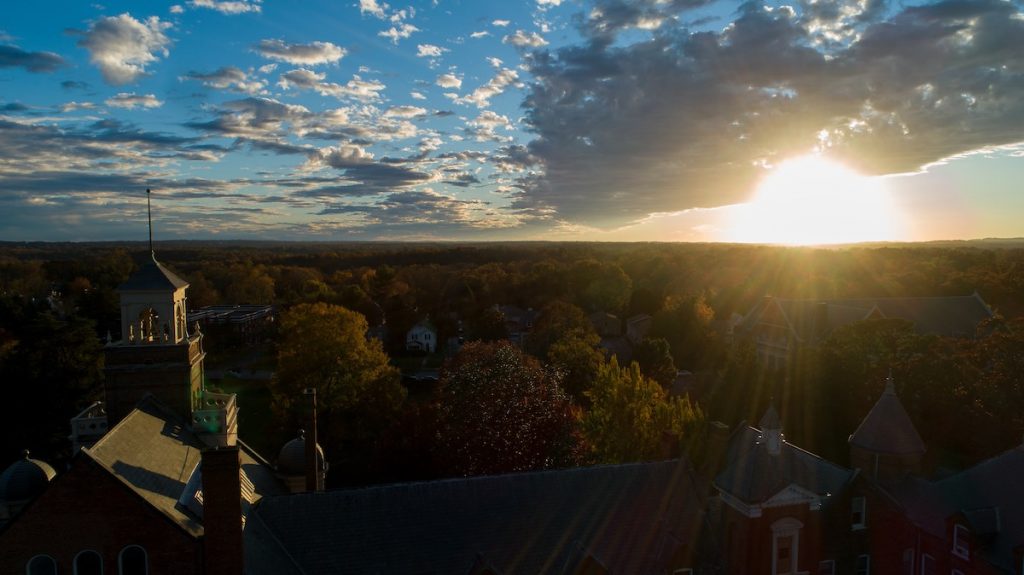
x=811 y=200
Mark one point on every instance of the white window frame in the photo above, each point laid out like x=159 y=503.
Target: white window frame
x=926 y=562
x=867 y=565
x=28 y=566
x=961 y=545
x=120 y=558
x=74 y=564
x=859 y=505
x=786 y=527
x=827 y=567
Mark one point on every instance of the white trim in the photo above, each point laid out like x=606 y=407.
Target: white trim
x=786 y=527
x=28 y=566
x=74 y=564
x=961 y=548
x=120 y=559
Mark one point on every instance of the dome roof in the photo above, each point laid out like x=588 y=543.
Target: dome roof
x=25 y=479
x=292 y=458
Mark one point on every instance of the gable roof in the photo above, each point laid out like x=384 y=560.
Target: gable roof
x=887 y=428
x=812 y=319
x=152 y=276
x=753 y=475
x=986 y=496
x=154 y=453
x=631 y=518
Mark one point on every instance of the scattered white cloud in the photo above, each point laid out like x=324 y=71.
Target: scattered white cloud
x=228 y=6
x=480 y=34
x=373 y=8
x=398 y=32
x=356 y=88
x=548 y=3
x=429 y=51
x=229 y=78
x=75 y=106
x=501 y=23
x=449 y=81
x=525 y=39
x=481 y=96
x=121 y=46
x=405 y=111
x=417 y=95
x=310 y=54
x=176 y=9
x=494 y=62
x=131 y=101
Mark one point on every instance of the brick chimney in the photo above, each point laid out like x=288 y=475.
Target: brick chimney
x=312 y=469
x=222 y=511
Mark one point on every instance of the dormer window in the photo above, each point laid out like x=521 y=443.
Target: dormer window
x=961 y=548
x=858 y=513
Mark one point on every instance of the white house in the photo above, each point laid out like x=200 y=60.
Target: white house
x=422 y=337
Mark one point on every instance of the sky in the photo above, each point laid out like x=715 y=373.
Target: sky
x=619 y=120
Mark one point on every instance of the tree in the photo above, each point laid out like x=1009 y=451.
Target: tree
x=630 y=416
x=555 y=321
x=578 y=359
x=502 y=412
x=359 y=395
x=652 y=354
x=685 y=323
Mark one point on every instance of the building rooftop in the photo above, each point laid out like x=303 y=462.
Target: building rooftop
x=630 y=518
x=153 y=276
x=887 y=428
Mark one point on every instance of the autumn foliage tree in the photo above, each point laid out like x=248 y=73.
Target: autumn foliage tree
x=630 y=416
x=501 y=411
x=359 y=394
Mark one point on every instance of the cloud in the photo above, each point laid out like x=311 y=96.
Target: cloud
x=356 y=88
x=674 y=121
x=523 y=39
x=501 y=23
x=449 y=81
x=484 y=127
x=176 y=9
x=365 y=175
x=75 y=106
x=373 y=8
x=228 y=78
x=480 y=34
x=405 y=111
x=399 y=31
x=73 y=85
x=481 y=96
x=257 y=118
x=548 y=3
x=131 y=101
x=429 y=51
x=121 y=46
x=417 y=95
x=227 y=6
x=14 y=57
x=310 y=54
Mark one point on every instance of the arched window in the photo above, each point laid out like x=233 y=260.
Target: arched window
x=41 y=565
x=88 y=563
x=133 y=561
x=148 y=322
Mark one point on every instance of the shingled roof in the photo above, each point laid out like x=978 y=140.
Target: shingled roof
x=754 y=475
x=887 y=427
x=987 y=498
x=631 y=518
x=154 y=453
x=812 y=319
x=152 y=276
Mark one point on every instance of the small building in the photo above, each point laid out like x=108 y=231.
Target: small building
x=235 y=324
x=518 y=322
x=637 y=327
x=421 y=337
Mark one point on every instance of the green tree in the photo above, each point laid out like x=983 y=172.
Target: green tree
x=655 y=361
x=577 y=357
x=501 y=412
x=359 y=395
x=630 y=416
x=555 y=321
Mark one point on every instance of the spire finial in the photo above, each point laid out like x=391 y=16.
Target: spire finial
x=149 y=216
x=890 y=387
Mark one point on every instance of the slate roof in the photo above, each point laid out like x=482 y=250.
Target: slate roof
x=154 y=453
x=152 y=276
x=887 y=428
x=988 y=496
x=630 y=518
x=753 y=475
x=811 y=320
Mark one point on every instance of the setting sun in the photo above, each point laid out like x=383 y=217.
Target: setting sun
x=812 y=200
